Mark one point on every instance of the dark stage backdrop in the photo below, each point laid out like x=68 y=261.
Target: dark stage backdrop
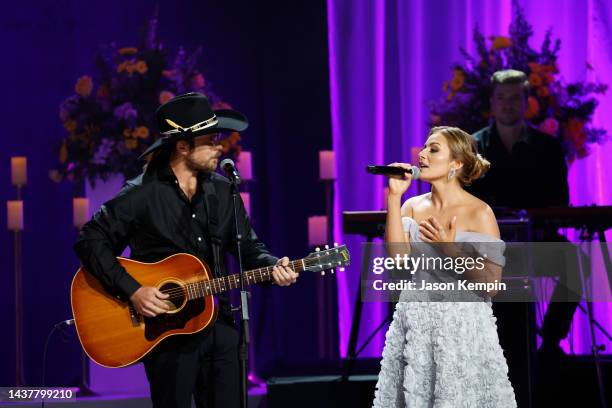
x=268 y=59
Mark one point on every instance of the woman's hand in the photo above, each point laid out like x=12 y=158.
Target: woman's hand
x=432 y=231
x=399 y=184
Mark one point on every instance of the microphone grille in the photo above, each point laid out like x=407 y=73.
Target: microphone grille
x=225 y=162
x=416 y=172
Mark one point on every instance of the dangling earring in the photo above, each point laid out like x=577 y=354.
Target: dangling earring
x=451 y=173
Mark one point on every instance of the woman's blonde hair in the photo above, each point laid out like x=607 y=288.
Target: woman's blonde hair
x=464 y=149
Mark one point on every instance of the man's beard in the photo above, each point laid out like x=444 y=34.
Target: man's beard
x=208 y=167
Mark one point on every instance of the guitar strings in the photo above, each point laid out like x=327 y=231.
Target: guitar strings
x=221 y=283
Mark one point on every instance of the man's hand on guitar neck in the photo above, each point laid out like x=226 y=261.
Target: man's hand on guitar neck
x=147 y=301
x=283 y=275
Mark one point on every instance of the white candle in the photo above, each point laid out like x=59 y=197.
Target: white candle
x=327 y=170
x=80 y=211
x=317 y=230
x=246 y=199
x=19 y=171
x=245 y=165
x=14 y=215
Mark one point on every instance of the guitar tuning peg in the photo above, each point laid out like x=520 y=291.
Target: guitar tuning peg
x=317 y=249
x=341 y=269
x=326 y=246
x=322 y=273
x=333 y=271
x=335 y=244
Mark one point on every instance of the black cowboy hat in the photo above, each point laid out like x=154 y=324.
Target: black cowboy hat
x=189 y=115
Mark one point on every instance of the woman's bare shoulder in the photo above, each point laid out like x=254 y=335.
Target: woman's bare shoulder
x=412 y=203
x=482 y=218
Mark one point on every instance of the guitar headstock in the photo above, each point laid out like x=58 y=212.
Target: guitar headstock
x=328 y=258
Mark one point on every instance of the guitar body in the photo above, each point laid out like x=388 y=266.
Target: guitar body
x=114 y=335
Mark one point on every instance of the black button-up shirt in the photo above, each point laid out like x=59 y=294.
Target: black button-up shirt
x=155 y=218
x=532 y=175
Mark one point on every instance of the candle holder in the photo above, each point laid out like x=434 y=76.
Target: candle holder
x=15 y=224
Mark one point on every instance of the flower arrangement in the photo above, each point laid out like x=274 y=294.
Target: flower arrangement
x=110 y=117
x=562 y=110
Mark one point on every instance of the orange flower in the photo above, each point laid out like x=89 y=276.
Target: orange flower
x=458 y=80
x=165 y=96
x=500 y=43
x=542 y=92
x=127 y=133
x=63 y=153
x=533 y=108
x=131 y=143
x=121 y=67
x=128 y=50
x=535 y=67
x=103 y=92
x=70 y=125
x=535 y=80
x=131 y=67
x=548 y=78
x=141 y=132
x=84 y=86
x=141 y=67
x=445 y=86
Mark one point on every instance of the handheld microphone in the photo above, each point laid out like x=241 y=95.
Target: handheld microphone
x=393 y=171
x=229 y=168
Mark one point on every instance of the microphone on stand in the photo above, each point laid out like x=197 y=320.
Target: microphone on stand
x=229 y=168
x=394 y=171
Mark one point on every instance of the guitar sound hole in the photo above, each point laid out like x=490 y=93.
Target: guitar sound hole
x=177 y=295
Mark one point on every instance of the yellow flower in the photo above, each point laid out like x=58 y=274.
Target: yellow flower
x=500 y=43
x=63 y=153
x=83 y=86
x=128 y=50
x=141 y=132
x=535 y=80
x=165 y=96
x=70 y=125
x=533 y=108
x=141 y=67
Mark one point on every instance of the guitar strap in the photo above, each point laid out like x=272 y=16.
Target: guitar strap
x=211 y=201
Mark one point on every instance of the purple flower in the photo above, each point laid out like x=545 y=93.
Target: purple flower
x=125 y=111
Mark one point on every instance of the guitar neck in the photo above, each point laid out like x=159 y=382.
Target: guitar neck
x=203 y=288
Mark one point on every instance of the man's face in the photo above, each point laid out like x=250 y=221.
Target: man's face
x=205 y=154
x=508 y=104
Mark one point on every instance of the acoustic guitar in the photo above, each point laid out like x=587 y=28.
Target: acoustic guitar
x=113 y=334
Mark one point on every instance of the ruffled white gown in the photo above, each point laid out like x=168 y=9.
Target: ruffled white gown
x=444 y=354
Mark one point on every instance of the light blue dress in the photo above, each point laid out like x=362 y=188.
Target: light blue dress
x=444 y=354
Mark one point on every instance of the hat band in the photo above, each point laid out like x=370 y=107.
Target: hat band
x=198 y=126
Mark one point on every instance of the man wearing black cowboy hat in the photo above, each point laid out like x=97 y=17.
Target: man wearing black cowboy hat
x=179 y=204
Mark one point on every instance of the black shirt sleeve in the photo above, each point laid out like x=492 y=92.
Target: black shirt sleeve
x=104 y=237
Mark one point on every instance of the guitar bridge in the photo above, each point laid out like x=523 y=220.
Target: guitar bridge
x=135 y=317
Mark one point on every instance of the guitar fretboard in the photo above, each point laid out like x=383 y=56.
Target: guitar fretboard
x=203 y=288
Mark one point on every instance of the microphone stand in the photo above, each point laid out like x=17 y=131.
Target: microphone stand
x=243 y=345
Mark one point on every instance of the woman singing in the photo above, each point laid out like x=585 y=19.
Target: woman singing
x=444 y=353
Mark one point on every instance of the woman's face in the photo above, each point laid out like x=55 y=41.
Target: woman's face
x=435 y=159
